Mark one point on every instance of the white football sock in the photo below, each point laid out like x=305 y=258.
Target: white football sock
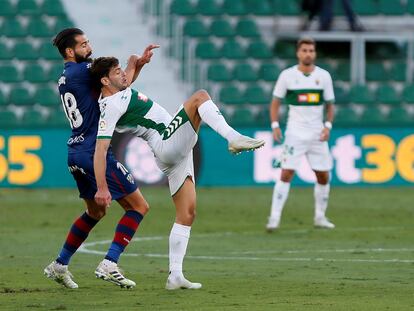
x=179 y=237
x=280 y=194
x=211 y=115
x=321 y=194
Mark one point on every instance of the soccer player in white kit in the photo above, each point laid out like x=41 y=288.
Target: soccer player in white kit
x=171 y=139
x=305 y=88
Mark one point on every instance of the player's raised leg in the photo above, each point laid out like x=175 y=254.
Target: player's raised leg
x=200 y=107
x=58 y=269
x=185 y=204
x=321 y=194
x=135 y=208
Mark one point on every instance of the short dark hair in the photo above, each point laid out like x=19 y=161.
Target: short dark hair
x=100 y=68
x=66 y=39
x=302 y=41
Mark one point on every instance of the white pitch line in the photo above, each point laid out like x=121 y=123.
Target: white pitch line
x=350 y=250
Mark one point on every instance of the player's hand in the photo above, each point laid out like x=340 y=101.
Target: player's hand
x=277 y=135
x=146 y=56
x=325 y=134
x=103 y=197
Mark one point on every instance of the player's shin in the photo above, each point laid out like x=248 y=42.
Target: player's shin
x=321 y=194
x=179 y=236
x=280 y=195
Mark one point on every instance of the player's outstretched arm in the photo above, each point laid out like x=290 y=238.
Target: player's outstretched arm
x=137 y=62
x=102 y=196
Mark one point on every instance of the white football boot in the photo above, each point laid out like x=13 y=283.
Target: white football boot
x=109 y=271
x=272 y=224
x=245 y=143
x=180 y=282
x=323 y=222
x=60 y=274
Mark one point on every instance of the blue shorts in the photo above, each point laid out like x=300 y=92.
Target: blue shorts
x=120 y=181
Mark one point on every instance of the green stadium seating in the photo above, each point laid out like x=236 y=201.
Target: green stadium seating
x=25 y=51
x=195 y=28
x=33 y=118
x=410 y=7
x=408 y=94
x=207 y=50
x=62 y=23
x=398 y=71
x=343 y=71
x=346 y=116
x=325 y=65
x=35 y=73
x=5 y=52
x=361 y=94
x=9 y=74
x=341 y=95
x=233 y=50
x=269 y=72
x=219 y=73
x=39 y=28
x=55 y=72
x=398 y=116
x=285 y=49
x=3 y=99
x=8 y=119
x=386 y=94
x=57 y=118
x=247 y=28
x=234 y=8
x=48 y=51
x=366 y=7
x=372 y=116
x=47 y=96
x=255 y=95
x=7 y=8
x=388 y=7
x=259 y=50
x=28 y=7
x=244 y=72
x=290 y=8
x=53 y=8
x=20 y=96
x=209 y=8
x=183 y=7
x=12 y=27
x=242 y=117
x=376 y=71
x=230 y=94
x=259 y=7
x=221 y=28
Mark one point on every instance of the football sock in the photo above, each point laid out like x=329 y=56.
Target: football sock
x=124 y=232
x=321 y=194
x=179 y=237
x=77 y=234
x=212 y=116
x=280 y=194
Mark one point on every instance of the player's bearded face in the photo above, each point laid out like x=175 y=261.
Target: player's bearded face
x=80 y=58
x=83 y=49
x=306 y=54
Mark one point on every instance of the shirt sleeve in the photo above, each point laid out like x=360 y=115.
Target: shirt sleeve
x=110 y=114
x=328 y=93
x=280 y=88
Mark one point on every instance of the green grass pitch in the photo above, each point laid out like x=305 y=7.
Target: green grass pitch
x=366 y=263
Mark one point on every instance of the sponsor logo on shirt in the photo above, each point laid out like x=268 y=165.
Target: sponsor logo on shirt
x=308 y=98
x=142 y=97
x=76 y=139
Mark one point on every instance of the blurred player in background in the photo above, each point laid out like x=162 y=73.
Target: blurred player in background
x=305 y=88
x=171 y=139
x=82 y=110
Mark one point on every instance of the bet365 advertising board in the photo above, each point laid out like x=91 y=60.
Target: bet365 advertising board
x=362 y=157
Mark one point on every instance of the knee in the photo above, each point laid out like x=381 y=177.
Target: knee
x=323 y=179
x=142 y=208
x=201 y=96
x=287 y=175
x=188 y=217
x=98 y=213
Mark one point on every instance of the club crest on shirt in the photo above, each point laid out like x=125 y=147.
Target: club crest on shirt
x=102 y=107
x=102 y=125
x=317 y=81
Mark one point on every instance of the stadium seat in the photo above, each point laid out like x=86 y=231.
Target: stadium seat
x=219 y=73
x=207 y=50
x=3 y=99
x=195 y=28
x=230 y=94
x=12 y=27
x=234 y=8
x=221 y=28
x=183 y=7
x=259 y=7
x=7 y=8
x=25 y=51
x=32 y=118
x=62 y=23
x=48 y=51
x=5 y=52
x=269 y=72
x=55 y=72
x=325 y=65
x=376 y=71
x=39 y=28
x=408 y=94
x=410 y=6
x=366 y=7
x=398 y=71
x=387 y=7
x=35 y=73
x=209 y=8
x=244 y=72
x=289 y=8
x=398 y=116
x=373 y=116
x=53 y=8
x=9 y=74
x=341 y=95
x=8 y=119
x=346 y=116
x=247 y=28
x=28 y=7
x=233 y=50
x=343 y=71
x=20 y=96
x=242 y=117
x=255 y=95
x=386 y=94
x=285 y=49
x=47 y=96
x=259 y=50
x=57 y=118
x=360 y=94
